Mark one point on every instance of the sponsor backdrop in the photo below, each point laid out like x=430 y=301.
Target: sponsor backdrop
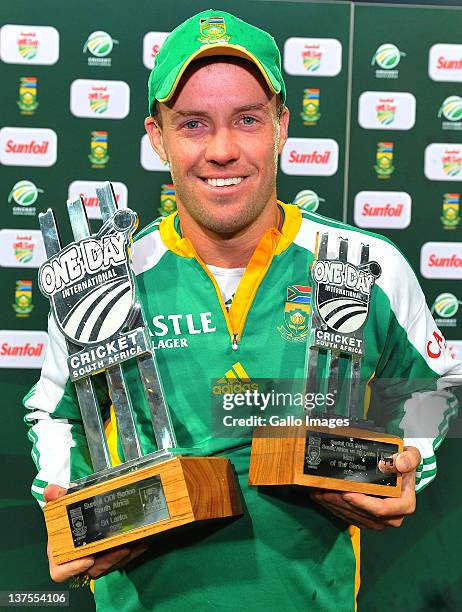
x=375 y=140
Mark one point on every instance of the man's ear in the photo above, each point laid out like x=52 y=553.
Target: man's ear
x=283 y=128
x=155 y=137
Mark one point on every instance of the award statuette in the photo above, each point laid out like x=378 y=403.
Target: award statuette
x=355 y=458
x=91 y=288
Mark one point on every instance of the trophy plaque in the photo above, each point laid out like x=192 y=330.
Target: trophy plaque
x=358 y=457
x=93 y=299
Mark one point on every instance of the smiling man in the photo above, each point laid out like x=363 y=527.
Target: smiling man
x=217 y=276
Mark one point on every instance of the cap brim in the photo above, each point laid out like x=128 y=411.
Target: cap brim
x=223 y=50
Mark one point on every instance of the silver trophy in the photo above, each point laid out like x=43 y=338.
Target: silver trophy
x=91 y=288
x=356 y=457
x=317 y=454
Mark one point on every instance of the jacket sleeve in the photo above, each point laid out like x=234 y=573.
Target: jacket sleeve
x=59 y=447
x=416 y=378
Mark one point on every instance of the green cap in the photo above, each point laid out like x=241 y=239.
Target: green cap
x=213 y=33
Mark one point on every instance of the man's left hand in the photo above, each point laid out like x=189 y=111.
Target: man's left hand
x=374 y=512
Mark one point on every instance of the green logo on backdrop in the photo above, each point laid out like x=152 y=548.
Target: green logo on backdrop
x=23 y=298
x=445 y=306
x=310 y=107
x=307 y=200
x=384 y=160
x=27 y=95
x=24 y=194
x=450 y=213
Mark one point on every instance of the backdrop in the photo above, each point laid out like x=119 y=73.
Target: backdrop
x=375 y=140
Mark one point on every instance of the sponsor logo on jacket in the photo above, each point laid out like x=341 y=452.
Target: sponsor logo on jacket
x=182 y=326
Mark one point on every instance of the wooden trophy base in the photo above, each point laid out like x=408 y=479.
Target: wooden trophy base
x=342 y=459
x=141 y=503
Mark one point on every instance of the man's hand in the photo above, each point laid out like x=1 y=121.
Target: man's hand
x=373 y=512
x=93 y=566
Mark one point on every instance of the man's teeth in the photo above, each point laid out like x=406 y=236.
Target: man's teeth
x=223 y=182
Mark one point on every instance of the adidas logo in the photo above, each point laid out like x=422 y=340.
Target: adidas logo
x=235 y=380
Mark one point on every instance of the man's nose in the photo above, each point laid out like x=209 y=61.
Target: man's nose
x=222 y=147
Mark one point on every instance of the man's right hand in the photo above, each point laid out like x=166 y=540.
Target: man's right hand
x=93 y=566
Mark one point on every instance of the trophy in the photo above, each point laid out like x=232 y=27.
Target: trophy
x=94 y=302
x=358 y=457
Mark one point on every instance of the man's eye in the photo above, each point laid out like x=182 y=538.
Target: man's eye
x=192 y=125
x=247 y=120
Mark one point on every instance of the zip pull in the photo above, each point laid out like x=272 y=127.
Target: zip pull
x=235 y=343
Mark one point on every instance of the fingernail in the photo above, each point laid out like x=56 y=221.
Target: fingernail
x=88 y=563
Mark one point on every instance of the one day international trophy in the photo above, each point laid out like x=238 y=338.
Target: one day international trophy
x=91 y=288
x=356 y=458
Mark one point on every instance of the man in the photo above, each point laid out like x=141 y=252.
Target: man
x=216 y=277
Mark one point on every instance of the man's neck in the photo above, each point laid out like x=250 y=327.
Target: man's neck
x=229 y=251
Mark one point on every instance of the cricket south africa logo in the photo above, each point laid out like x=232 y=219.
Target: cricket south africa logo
x=451 y=110
x=99 y=44
x=308 y=200
x=27 y=95
x=213 y=30
x=445 y=307
x=297 y=308
x=387 y=58
x=310 y=107
x=89 y=283
x=24 y=194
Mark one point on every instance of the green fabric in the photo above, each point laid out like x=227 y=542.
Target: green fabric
x=282 y=554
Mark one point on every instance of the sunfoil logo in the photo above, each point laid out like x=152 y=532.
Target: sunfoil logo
x=441 y=260
x=310 y=157
x=28 y=146
x=387 y=58
x=445 y=62
x=22 y=349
